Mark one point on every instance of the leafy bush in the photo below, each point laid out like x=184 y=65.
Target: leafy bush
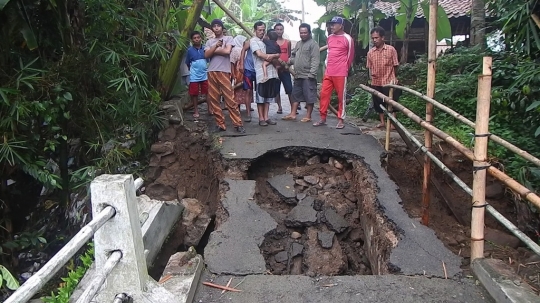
x=74 y=276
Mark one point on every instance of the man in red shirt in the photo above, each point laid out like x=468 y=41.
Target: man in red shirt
x=339 y=60
x=382 y=62
x=283 y=74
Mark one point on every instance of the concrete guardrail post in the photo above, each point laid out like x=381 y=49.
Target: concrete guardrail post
x=122 y=232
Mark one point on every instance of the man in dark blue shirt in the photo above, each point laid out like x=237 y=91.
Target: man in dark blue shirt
x=198 y=71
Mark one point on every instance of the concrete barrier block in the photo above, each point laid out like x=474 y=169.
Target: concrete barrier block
x=502 y=283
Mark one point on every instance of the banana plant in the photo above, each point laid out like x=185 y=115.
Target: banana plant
x=405 y=16
x=168 y=72
x=363 y=14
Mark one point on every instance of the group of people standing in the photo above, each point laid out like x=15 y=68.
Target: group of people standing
x=233 y=68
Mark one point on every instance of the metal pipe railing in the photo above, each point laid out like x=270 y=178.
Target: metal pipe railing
x=501 y=176
x=458 y=116
x=497 y=215
x=94 y=286
x=38 y=280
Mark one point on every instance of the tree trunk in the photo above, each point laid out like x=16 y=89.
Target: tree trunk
x=478 y=23
x=169 y=70
x=405 y=47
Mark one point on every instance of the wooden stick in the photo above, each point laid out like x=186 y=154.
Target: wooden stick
x=428 y=141
x=480 y=161
x=228 y=284
x=444 y=268
x=165 y=279
x=220 y=286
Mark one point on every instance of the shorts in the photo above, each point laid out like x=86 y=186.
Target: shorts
x=305 y=90
x=249 y=79
x=285 y=78
x=386 y=91
x=194 y=88
x=267 y=92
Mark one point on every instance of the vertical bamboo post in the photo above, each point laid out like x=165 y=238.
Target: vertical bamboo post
x=480 y=163
x=388 y=123
x=432 y=68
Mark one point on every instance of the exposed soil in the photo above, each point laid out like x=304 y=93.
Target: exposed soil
x=406 y=171
x=186 y=166
x=298 y=246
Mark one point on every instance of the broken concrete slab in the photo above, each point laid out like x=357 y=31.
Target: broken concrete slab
x=502 y=283
x=281 y=257
x=297 y=249
x=234 y=247
x=181 y=276
x=326 y=238
x=334 y=221
x=307 y=202
x=284 y=186
x=301 y=216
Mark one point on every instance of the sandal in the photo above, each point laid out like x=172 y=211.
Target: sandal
x=195 y=115
x=380 y=125
x=319 y=123
x=288 y=118
x=305 y=120
x=340 y=126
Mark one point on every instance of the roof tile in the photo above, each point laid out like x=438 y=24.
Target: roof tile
x=453 y=8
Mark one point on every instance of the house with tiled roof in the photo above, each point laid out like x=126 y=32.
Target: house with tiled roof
x=458 y=12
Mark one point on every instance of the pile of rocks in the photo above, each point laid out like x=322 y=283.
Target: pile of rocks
x=321 y=235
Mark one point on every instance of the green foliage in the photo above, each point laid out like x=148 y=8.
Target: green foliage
x=249 y=12
x=74 y=276
x=85 y=100
x=444 y=29
x=513 y=17
x=10 y=282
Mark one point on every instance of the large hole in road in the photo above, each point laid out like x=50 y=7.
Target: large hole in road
x=329 y=222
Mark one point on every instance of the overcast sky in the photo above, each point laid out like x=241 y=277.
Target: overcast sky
x=312 y=12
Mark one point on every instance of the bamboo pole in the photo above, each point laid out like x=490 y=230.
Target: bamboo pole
x=522 y=153
x=496 y=173
x=428 y=141
x=168 y=71
x=480 y=162
x=233 y=17
x=57 y=262
x=497 y=215
x=388 y=123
